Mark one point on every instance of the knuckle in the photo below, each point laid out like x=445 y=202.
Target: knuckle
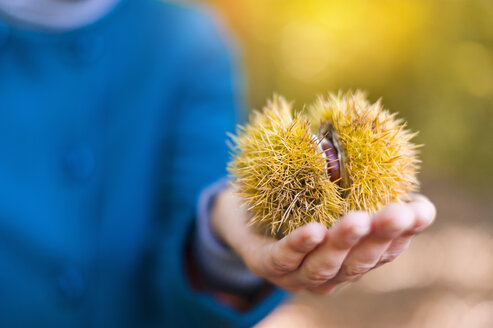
x=318 y=276
x=389 y=257
x=355 y=271
x=381 y=262
x=280 y=266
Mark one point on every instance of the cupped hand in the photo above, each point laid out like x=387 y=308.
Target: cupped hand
x=314 y=258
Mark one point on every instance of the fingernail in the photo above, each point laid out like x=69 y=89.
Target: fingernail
x=312 y=241
x=356 y=233
x=360 y=230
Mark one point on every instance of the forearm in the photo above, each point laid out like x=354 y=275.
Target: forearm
x=220 y=266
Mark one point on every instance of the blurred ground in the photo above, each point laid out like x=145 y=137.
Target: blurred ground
x=444 y=280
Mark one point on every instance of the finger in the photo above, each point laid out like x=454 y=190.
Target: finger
x=286 y=255
x=324 y=263
x=387 y=224
x=424 y=213
x=396 y=247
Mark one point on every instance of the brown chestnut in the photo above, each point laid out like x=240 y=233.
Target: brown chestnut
x=332 y=158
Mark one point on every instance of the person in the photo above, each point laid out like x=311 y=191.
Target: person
x=113 y=207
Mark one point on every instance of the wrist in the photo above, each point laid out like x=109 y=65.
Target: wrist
x=221 y=266
x=217 y=215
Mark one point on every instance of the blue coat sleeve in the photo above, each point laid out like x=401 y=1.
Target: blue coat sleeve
x=208 y=100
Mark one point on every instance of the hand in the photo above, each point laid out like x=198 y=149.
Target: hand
x=314 y=258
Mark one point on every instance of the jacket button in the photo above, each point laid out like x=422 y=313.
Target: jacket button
x=71 y=284
x=80 y=163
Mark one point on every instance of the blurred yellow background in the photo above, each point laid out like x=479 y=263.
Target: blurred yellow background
x=431 y=61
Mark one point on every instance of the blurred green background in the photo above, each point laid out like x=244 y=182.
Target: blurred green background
x=431 y=61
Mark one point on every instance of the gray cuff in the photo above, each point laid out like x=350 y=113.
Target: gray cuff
x=220 y=266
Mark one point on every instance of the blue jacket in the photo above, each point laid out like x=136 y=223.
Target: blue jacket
x=107 y=135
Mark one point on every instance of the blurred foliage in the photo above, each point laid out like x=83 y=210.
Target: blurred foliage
x=432 y=61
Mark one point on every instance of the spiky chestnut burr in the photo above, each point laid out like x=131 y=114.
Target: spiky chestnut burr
x=377 y=158
x=280 y=172
x=360 y=158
